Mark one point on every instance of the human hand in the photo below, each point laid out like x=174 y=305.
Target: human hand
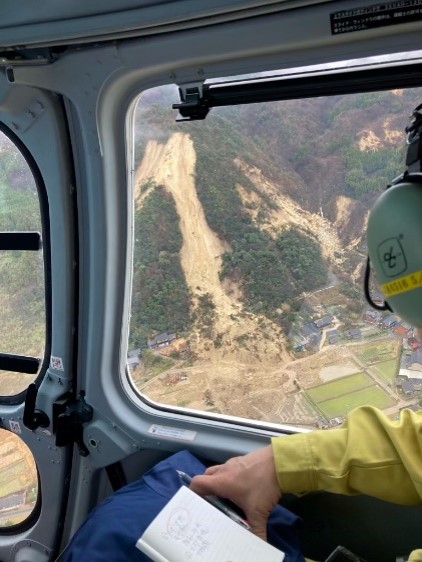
x=249 y=481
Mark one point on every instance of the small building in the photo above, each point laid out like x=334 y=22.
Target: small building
x=354 y=333
x=372 y=316
x=390 y=321
x=407 y=387
x=401 y=330
x=333 y=336
x=308 y=329
x=161 y=340
x=324 y=322
x=133 y=358
x=133 y=362
x=415 y=360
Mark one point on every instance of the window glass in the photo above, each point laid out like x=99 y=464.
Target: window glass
x=18 y=480
x=22 y=299
x=249 y=259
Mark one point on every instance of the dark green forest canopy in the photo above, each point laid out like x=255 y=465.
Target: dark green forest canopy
x=160 y=297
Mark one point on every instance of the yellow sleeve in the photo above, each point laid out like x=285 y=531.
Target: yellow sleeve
x=369 y=454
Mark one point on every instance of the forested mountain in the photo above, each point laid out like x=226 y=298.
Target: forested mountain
x=285 y=186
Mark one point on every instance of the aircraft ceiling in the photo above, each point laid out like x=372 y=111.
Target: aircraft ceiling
x=50 y=22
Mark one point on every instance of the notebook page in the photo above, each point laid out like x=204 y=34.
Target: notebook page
x=190 y=529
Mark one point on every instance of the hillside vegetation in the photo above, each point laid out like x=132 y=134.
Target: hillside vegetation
x=21 y=273
x=322 y=161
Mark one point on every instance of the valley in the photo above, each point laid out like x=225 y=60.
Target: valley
x=237 y=360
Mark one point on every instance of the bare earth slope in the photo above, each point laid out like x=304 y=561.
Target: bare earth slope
x=249 y=373
x=261 y=348
x=239 y=364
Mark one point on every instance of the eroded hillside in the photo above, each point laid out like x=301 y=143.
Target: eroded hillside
x=270 y=207
x=242 y=372
x=172 y=165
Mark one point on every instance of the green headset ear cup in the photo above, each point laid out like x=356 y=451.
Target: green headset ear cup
x=394 y=239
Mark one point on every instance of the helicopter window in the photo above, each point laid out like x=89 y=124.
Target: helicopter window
x=18 y=480
x=22 y=284
x=249 y=257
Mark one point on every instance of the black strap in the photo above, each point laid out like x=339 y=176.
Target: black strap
x=116 y=475
x=413 y=140
x=368 y=297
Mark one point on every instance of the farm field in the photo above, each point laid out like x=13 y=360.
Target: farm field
x=377 y=351
x=341 y=405
x=338 y=387
x=338 y=397
x=387 y=370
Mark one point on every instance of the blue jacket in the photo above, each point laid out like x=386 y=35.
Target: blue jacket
x=110 y=532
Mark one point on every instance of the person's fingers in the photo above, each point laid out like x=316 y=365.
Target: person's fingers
x=212 y=469
x=259 y=528
x=209 y=484
x=204 y=485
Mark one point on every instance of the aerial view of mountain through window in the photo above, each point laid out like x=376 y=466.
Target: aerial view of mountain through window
x=249 y=258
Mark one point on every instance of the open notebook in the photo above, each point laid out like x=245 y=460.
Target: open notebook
x=188 y=529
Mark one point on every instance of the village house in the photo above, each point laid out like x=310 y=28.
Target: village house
x=402 y=330
x=405 y=385
x=413 y=361
x=390 y=321
x=354 y=333
x=410 y=373
x=308 y=329
x=333 y=336
x=161 y=340
x=372 y=316
x=133 y=358
x=324 y=322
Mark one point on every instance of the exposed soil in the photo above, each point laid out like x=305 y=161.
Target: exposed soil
x=246 y=375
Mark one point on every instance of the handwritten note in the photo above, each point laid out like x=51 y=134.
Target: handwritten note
x=190 y=529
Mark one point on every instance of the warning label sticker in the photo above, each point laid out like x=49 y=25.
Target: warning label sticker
x=172 y=432
x=377 y=15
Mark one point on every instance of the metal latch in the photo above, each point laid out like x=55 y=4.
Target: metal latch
x=69 y=416
x=193 y=106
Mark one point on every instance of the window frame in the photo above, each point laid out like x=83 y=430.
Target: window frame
x=45 y=238
x=365 y=78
